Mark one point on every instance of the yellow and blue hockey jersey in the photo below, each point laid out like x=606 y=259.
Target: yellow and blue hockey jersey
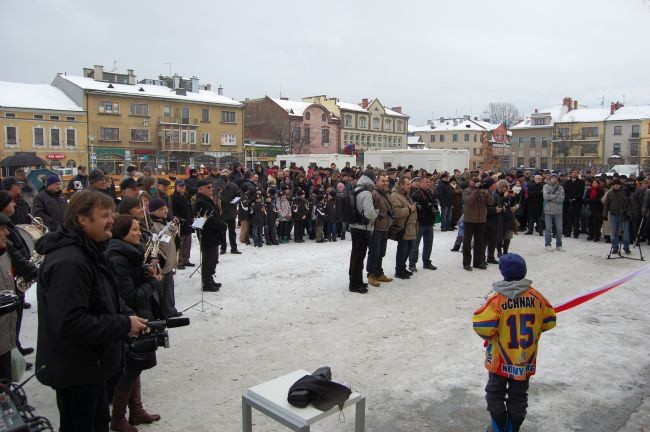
x=512 y=320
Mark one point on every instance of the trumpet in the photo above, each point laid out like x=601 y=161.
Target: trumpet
x=23 y=284
x=153 y=245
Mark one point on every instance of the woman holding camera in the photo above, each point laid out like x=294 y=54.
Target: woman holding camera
x=136 y=289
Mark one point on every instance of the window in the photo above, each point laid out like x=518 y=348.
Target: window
x=544 y=142
x=617 y=148
x=388 y=124
x=635 y=131
x=617 y=130
x=54 y=117
x=533 y=142
x=326 y=136
x=589 y=149
x=38 y=116
x=307 y=138
x=442 y=138
x=454 y=137
x=400 y=126
x=228 y=139
x=109 y=134
x=39 y=137
x=466 y=137
x=521 y=142
x=589 y=132
x=205 y=115
x=140 y=135
x=184 y=137
x=323 y=117
x=11 y=135
x=348 y=120
x=185 y=115
x=634 y=149
x=563 y=133
x=539 y=122
x=375 y=122
x=167 y=111
x=139 y=109
x=71 y=137
x=228 y=117
x=192 y=137
x=70 y=118
x=520 y=161
x=10 y=115
x=432 y=138
x=362 y=122
x=475 y=138
x=176 y=136
x=55 y=137
x=296 y=134
x=205 y=138
x=544 y=163
x=307 y=115
x=108 y=107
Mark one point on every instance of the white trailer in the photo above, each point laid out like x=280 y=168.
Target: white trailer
x=429 y=159
x=315 y=160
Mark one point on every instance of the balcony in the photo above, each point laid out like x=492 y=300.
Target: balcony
x=181 y=121
x=176 y=146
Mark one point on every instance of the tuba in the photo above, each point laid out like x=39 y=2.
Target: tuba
x=37 y=226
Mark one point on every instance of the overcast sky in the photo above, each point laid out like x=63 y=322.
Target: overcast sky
x=433 y=58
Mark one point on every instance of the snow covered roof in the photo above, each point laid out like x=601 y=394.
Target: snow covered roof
x=486 y=125
x=351 y=107
x=394 y=113
x=293 y=107
x=413 y=128
x=149 y=90
x=412 y=140
x=584 y=115
x=633 y=112
x=37 y=96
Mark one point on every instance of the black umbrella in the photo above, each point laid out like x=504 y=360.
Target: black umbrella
x=22 y=159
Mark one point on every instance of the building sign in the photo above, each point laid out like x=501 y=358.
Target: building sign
x=55 y=156
x=144 y=151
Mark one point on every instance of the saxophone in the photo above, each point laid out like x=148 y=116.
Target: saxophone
x=22 y=284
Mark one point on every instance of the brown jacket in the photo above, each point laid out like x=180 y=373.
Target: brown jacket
x=381 y=201
x=404 y=218
x=475 y=203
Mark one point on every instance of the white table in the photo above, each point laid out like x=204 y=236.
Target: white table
x=270 y=398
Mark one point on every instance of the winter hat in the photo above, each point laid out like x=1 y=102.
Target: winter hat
x=156 y=204
x=129 y=183
x=127 y=204
x=512 y=267
x=5 y=199
x=8 y=182
x=179 y=183
x=554 y=175
x=370 y=174
x=51 y=179
x=617 y=181
x=96 y=175
x=489 y=182
x=202 y=183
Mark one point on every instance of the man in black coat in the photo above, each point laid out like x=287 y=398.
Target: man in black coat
x=80 y=181
x=229 y=214
x=574 y=189
x=182 y=208
x=427 y=209
x=22 y=209
x=81 y=319
x=50 y=203
x=210 y=234
x=445 y=196
x=192 y=183
x=535 y=205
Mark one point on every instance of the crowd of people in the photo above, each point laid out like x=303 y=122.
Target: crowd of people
x=108 y=259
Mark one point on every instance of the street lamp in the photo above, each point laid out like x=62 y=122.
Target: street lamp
x=93 y=156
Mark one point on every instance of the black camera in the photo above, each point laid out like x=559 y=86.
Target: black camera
x=157 y=336
x=9 y=302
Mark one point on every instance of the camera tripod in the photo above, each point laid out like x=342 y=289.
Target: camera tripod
x=201 y=302
x=637 y=244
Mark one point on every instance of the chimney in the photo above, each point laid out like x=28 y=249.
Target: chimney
x=284 y=98
x=176 y=81
x=220 y=90
x=207 y=87
x=566 y=104
x=397 y=109
x=442 y=119
x=364 y=103
x=131 y=76
x=615 y=106
x=476 y=118
x=98 y=73
x=575 y=104
x=466 y=117
x=536 y=111
x=195 y=84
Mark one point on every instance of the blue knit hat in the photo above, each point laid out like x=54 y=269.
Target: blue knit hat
x=512 y=267
x=51 y=179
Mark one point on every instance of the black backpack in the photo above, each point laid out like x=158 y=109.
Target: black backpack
x=346 y=208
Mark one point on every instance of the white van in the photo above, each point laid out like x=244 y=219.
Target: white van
x=625 y=170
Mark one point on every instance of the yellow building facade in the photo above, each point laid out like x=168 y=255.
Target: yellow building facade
x=150 y=124
x=43 y=120
x=578 y=145
x=645 y=145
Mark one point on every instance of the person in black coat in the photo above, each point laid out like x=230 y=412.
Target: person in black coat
x=22 y=210
x=262 y=178
x=81 y=317
x=594 y=199
x=299 y=212
x=50 y=203
x=229 y=213
x=192 y=183
x=535 y=205
x=80 y=181
x=270 y=224
x=210 y=234
x=445 y=194
x=182 y=209
x=574 y=190
x=258 y=217
x=493 y=221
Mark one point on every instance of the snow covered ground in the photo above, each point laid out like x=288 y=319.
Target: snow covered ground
x=408 y=346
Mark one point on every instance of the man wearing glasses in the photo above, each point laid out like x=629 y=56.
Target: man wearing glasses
x=209 y=235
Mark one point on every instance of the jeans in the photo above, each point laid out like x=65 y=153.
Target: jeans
x=618 y=223
x=376 y=253
x=425 y=232
x=257 y=234
x=331 y=230
x=360 y=240
x=549 y=219
x=445 y=218
x=403 y=249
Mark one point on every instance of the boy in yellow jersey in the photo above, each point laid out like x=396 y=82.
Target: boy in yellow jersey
x=511 y=321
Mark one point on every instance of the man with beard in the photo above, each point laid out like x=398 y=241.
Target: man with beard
x=49 y=204
x=81 y=319
x=210 y=234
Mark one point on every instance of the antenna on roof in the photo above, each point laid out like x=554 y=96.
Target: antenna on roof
x=602 y=102
x=114 y=66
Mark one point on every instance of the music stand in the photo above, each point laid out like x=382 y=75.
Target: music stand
x=198 y=226
x=637 y=244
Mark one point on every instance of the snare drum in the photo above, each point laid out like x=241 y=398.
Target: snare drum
x=30 y=234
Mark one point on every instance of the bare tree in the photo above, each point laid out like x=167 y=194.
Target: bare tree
x=502 y=112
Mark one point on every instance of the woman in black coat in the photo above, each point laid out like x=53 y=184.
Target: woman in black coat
x=137 y=290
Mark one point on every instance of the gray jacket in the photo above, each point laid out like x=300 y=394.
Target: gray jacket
x=553 y=199
x=364 y=203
